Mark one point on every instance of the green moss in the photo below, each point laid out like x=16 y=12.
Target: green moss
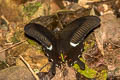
x=31 y=42
x=88 y=45
x=31 y=8
x=91 y=73
x=15 y=40
x=102 y=75
x=35 y=44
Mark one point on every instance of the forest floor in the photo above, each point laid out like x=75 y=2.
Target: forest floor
x=101 y=48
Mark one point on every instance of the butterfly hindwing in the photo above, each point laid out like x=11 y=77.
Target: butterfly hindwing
x=88 y=24
x=76 y=31
x=41 y=34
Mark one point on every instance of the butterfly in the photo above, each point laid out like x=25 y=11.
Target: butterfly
x=68 y=46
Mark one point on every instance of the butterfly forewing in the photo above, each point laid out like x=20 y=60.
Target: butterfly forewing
x=87 y=25
x=41 y=34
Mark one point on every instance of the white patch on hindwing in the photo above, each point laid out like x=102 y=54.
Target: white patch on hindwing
x=73 y=44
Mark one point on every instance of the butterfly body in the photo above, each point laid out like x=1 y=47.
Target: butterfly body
x=68 y=46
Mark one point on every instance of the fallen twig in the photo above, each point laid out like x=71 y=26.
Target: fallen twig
x=28 y=66
x=3 y=17
x=12 y=46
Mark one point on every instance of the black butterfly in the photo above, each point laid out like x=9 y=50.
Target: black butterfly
x=68 y=46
